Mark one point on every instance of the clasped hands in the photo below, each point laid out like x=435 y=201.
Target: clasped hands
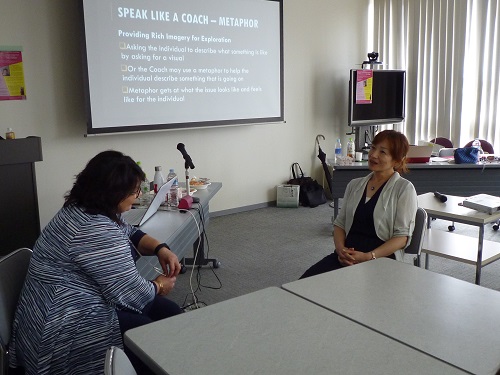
x=171 y=268
x=349 y=256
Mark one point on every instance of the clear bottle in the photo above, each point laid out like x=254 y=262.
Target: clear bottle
x=173 y=194
x=338 y=150
x=158 y=179
x=144 y=198
x=477 y=144
x=10 y=134
x=350 y=148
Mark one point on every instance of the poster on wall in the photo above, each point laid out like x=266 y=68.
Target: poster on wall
x=364 y=86
x=12 y=85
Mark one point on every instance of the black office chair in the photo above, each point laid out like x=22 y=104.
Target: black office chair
x=13 y=270
x=417 y=238
x=445 y=142
x=485 y=145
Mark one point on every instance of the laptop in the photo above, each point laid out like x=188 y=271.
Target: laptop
x=419 y=154
x=435 y=147
x=138 y=216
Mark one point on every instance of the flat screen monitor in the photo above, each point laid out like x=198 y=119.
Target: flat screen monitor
x=152 y=65
x=376 y=97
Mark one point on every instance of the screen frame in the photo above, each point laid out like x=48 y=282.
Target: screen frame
x=142 y=127
x=372 y=121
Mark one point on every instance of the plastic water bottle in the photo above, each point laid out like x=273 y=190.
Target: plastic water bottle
x=158 y=180
x=173 y=194
x=477 y=144
x=144 y=198
x=350 y=148
x=338 y=150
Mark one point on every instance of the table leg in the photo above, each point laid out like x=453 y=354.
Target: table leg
x=335 y=207
x=479 y=255
x=199 y=258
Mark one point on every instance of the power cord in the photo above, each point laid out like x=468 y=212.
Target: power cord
x=195 y=299
x=202 y=235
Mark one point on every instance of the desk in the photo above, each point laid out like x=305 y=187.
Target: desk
x=455 y=246
x=454 y=179
x=450 y=319
x=179 y=231
x=274 y=332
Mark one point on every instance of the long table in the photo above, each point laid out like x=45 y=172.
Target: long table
x=271 y=331
x=449 y=319
x=181 y=231
x=455 y=246
x=454 y=179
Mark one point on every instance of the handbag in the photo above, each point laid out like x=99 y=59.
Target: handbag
x=311 y=194
x=466 y=155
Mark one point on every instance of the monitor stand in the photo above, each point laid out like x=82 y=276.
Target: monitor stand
x=362 y=135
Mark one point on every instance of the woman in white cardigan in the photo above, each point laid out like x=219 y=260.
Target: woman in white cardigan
x=378 y=211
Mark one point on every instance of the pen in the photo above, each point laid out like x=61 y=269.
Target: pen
x=159 y=271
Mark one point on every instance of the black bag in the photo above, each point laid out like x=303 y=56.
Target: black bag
x=466 y=155
x=311 y=194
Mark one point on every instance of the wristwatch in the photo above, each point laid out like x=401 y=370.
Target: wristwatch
x=160 y=246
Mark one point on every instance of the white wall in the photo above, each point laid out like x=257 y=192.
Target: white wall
x=323 y=40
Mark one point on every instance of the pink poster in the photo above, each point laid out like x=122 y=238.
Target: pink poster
x=364 y=86
x=12 y=76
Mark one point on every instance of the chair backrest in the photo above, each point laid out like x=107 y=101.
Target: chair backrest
x=13 y=269
x=446 y=152
x=418 y=235
x=117 y=363
x=445 y=142
x=485 y=145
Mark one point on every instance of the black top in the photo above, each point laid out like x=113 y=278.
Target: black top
x=362 y=235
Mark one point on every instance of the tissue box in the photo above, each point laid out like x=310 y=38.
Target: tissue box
x=287 y=196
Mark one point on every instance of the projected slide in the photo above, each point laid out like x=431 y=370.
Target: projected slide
x=167 y=64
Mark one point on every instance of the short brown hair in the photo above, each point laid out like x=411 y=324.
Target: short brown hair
x=398 y=147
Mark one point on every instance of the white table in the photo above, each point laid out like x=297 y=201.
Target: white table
x=451 y=245
x=271 y=331
x=450 y=319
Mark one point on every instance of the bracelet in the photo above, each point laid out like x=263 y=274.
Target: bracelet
x=160 y=246
x=373 y=256
x=161 y=288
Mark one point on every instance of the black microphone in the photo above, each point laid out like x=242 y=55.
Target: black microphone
x=443 y=198
x=188 y=162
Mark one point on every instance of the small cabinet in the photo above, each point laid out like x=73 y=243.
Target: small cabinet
x=19 y=214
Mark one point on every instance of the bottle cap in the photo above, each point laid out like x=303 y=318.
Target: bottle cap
x=158 y=168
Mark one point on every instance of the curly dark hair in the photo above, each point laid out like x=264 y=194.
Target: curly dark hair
x=108 y=178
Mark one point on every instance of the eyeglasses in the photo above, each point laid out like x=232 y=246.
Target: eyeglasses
x=137 y=193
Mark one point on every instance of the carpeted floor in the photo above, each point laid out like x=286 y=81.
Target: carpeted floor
x=272 y=246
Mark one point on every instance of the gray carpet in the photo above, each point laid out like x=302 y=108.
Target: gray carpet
x=272 y=246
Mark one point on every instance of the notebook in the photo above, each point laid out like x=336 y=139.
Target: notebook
x=419 y=154
x=139 y=216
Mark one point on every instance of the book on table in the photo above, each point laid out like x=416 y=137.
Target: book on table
x=483 y=203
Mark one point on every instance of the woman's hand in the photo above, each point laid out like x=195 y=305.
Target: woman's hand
x=165 y=284
x=349 y=256
x=169 y=262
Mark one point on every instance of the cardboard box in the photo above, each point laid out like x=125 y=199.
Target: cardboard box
x=287 y=196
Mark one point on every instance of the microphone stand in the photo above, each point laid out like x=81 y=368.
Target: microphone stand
x=188 y=188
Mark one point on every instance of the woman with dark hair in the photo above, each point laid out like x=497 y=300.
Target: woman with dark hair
x=82 y=290
x=378 y=211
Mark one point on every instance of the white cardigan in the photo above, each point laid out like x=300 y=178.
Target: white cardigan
x=394 y=213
